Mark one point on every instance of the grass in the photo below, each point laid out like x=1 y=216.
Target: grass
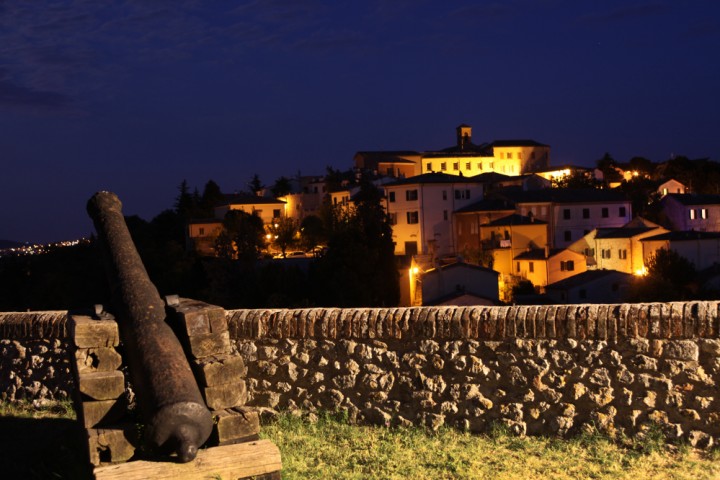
x=44 y=443
x=334 y=449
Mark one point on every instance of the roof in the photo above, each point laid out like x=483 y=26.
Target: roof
x=515 y=219
x=248 y=199
x=562 y=167
x=388 y=153
x=694 y=198
x=433 y=177
x=467 y=149
x=395 y=160
x=586 y=277
x=563 y=195
x=487 y=205
x=684 y=236
x=453 y=265
x=622 y=232
x=517 y=143
x=494 y=177
x=538 y=254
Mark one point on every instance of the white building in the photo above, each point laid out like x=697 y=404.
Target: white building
x=421 y=211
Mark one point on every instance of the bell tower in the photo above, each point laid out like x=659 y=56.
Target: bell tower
x=464 y=135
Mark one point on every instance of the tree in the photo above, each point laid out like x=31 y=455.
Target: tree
x=670 y=277
x=575 y=179
x=643 y=166
x=284 y=234
x=608 y=166
x=211 y=197
x=255 y=185
x=312 y=232
x=281 y=187
x=359 y=267
x=185 y=204
x=242 y=236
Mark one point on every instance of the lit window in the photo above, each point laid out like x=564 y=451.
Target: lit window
x=692 y=214
x=456 y=166
x=443 y=166
x=703 y=213
x=412 y=217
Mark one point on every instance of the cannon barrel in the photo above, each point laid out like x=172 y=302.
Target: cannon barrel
x=177 y=419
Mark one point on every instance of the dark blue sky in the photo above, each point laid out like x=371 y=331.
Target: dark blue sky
x=134 y=96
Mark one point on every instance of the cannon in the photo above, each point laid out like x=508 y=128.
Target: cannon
x=176 y=417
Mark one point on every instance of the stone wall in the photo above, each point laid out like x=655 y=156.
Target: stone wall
x=34 y=361
x=537 y=369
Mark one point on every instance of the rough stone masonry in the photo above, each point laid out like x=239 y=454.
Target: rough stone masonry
x=538 y=369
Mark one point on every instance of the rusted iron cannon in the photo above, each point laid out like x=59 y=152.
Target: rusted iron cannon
x=176 y=417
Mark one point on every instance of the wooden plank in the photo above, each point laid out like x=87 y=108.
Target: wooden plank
x=241 y=460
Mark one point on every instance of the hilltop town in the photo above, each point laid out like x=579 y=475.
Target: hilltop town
x=483 y=223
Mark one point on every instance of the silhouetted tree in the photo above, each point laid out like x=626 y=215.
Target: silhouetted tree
x=284 y=233
x=312 y=232
x=242 y=236
x=670 y=277
x=281 y=187
x=255 y=184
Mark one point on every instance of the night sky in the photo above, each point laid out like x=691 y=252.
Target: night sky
x=135 y=96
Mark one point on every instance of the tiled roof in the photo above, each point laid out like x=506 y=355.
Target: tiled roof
x=623 y=232
x=587 y=277
x=487 y=205
x=694 y=198
x=517 y=143
x=563 y=195
x=516 y=219
x=463 y=265
x=537 y=254
x=433 y=177
x=687 y=235
x=247 y=199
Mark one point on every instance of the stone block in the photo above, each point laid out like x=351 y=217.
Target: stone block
x=100 y=359
x=199 y=318
x=220 y=397
x=207 y=344
x=86 y=332
x=218 y=369
x=681 y=350
x=112 y=445
x=235 y=425
x=102 y=385
x=102 y=412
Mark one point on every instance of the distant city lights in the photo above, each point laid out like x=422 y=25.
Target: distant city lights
x=39 y=249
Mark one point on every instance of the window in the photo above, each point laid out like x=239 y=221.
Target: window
x=586 y=213
x=389 y=171
x=391 y=196
x=467 y=166
x=622 y=253
x=492 y=165
x=517 y=267
x=508 y=155
x=443 y=166
x=703 y=213
x=605 y=212
x=445 y=215
x=428 y=167
x=456 y=166
x=531 y=267
x=462 y=194
x=692 y=214
x=411 y=195
x=589 y=252
x=444 y=194
x=412 y=217
x=568 y=266
x=566 y=214
x=622 y=211
x=543 y=211
x=480 y=167
x=568 y=235
x=519 y=155
x=276 y=213
x=605 y=253
x=201 y=231
x=393 y=218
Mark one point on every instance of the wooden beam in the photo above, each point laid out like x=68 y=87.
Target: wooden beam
x=229 y=462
